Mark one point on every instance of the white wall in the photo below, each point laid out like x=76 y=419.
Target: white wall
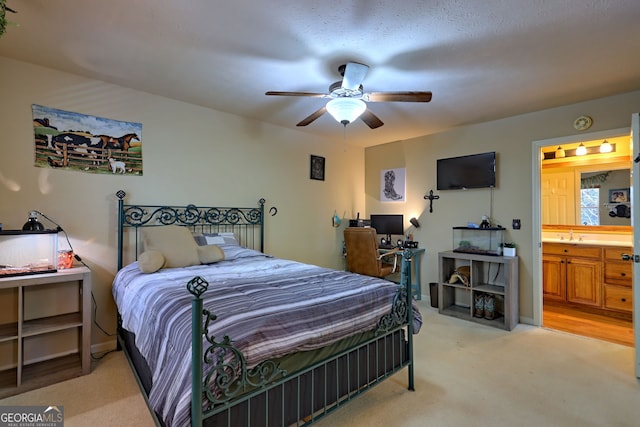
x=191 y=154
x=512 y=139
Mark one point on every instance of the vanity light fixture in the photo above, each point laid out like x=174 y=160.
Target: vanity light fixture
x=605 y=147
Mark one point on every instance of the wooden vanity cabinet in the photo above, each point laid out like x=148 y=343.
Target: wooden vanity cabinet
x=572 y=273
x=588 y=275
x=618 y=279
x=554 y=273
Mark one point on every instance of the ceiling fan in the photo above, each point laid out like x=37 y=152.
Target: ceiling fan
x=348 y=98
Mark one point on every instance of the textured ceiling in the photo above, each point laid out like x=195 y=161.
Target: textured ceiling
x=482 y=60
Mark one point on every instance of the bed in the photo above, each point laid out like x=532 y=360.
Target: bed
x=250 y=339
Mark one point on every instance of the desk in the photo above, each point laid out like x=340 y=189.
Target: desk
x=413 y=255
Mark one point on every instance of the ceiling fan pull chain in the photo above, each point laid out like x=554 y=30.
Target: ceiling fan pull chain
x=344 y=136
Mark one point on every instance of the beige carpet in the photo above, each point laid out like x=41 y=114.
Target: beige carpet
x=466 y=375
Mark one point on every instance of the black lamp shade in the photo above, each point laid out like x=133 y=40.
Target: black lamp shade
x=414 y=222
x=32 y=223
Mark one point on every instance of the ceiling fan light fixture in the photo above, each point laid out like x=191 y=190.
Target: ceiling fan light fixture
x=346 y=110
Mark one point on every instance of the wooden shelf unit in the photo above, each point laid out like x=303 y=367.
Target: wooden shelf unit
x=45 y=329
x=494 y=275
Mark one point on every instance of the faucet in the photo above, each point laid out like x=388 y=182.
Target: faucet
x=570 y=235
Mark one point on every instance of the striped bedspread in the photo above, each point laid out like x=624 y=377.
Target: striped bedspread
x=269 y=307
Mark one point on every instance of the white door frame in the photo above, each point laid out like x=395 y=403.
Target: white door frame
x=537 y=220
x=635 y=219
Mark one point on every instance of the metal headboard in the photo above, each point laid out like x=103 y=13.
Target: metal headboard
x=247 y=224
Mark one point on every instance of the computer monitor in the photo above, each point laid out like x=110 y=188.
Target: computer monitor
x=388 y=224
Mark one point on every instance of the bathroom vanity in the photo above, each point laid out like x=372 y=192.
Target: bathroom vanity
x=588 y=269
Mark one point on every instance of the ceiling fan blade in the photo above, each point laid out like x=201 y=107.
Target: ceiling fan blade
x=313 y=116
x=311 y=94
x=354 y=75
x=411 y=96
x=371 y=119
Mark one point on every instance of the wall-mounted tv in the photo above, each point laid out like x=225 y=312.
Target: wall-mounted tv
x=473 y=171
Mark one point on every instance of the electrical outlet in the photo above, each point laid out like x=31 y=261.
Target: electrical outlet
x=515 y=224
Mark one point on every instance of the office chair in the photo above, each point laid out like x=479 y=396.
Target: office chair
x=363 y=254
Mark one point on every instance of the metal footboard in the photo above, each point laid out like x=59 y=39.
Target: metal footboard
x=266 y=395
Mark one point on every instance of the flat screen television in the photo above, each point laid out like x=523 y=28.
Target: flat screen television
x=472 y=171
x=388 y=224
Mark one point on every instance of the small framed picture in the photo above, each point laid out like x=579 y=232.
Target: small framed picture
x=619 y=195
x=392 y=185
x=317 y=168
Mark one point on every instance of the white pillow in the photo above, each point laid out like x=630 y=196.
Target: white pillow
x=220 y=238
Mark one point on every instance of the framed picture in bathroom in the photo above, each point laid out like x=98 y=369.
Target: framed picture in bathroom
x=619 y=195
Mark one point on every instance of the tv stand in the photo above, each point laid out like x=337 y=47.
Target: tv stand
x=490 y=275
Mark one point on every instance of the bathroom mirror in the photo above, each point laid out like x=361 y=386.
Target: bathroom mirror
x=586 y=196
x=605 y=198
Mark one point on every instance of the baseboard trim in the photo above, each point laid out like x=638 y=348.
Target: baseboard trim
x=528 y=321
x=104 y=347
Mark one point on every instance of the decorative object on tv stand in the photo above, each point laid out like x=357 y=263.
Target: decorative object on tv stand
x=431 y=198
x=509 y=249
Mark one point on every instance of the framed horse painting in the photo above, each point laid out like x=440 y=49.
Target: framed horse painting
x=79 y=142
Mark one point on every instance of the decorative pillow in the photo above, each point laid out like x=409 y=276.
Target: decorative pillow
x=199 y=238
x=224 y=238
x=175 y=243
x=210 y=253
x=151 y=261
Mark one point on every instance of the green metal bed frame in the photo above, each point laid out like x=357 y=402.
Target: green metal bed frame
x=234 y=395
